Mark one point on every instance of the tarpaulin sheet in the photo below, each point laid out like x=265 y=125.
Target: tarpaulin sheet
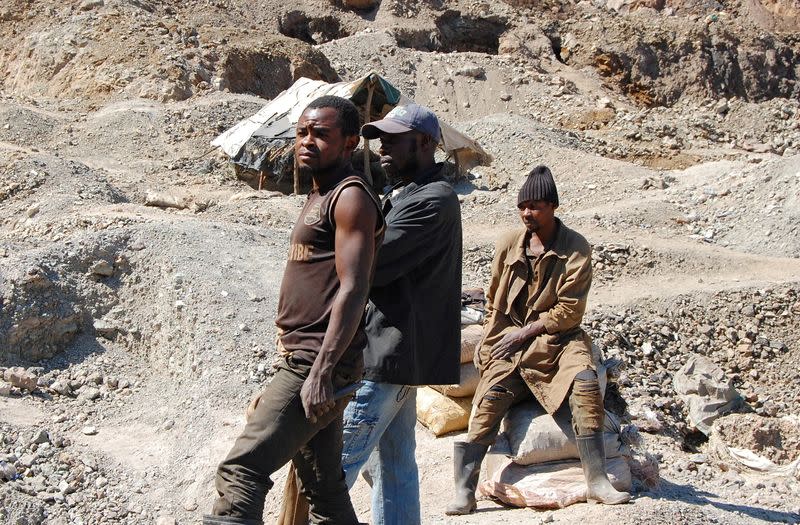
x=277 y=120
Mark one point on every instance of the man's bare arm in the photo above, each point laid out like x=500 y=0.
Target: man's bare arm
x=356 y=216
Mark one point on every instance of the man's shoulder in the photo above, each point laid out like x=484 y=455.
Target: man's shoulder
x=357 y=200
x=437 y=188
x=509 y=239
x=574 y=241
x=355 y=190
x=437 y=193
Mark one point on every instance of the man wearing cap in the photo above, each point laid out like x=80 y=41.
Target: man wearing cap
x=413 y=314
x=533 y=344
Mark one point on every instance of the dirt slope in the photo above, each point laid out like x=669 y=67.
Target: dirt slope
x=673 y=130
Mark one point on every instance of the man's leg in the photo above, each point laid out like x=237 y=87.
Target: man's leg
x=483 y=428
x=393 y=466
x=366 y=418
x=484 y=425
x=586 y=404
x=269 y=440
x=321 y=478
x=274 y=433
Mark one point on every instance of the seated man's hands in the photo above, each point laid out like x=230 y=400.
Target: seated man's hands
x=514 y=341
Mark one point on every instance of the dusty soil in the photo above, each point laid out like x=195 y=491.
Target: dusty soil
x=673 y=130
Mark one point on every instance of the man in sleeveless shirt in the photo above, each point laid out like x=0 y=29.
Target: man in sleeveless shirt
x=533 y=343
x=413 y=316
x=321 y=332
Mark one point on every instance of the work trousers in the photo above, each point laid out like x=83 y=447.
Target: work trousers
x=277 y=432
x=585 y=403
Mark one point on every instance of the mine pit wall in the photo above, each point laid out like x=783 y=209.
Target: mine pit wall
x=58 y=294
x=658 y=64
x=51 y=295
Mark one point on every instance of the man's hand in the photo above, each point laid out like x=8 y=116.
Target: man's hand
x=317 y=396
x=512 y=342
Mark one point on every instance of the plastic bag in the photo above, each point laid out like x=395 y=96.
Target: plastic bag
x=547 y=485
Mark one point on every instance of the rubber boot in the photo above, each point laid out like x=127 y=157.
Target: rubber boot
x=467 y=458
x=229 y=520
x=591 y=449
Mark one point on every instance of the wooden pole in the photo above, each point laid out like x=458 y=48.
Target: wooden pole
x=367 y=112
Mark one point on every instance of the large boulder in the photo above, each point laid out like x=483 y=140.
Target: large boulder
x=267 y=65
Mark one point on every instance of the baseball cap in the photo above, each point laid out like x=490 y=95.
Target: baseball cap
x=405 y=118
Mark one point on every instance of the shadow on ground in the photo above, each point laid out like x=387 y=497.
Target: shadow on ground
x=688 y=494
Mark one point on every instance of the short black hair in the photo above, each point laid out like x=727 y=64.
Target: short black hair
x=348 y=118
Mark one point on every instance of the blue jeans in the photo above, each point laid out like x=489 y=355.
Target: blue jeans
x=379 y=433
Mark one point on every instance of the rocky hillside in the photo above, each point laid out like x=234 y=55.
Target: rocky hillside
x=139 y=276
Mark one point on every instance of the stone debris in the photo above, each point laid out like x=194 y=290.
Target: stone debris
x=472 y=71
x=139 y=271
x=20 y=378
x=105 y=329
x=728 y=328
x=161 y=200
x=88 y=5
x=61 y=388
x=102 y=268
x=777 y=439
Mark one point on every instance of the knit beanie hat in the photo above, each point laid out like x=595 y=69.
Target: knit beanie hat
x=539 y=186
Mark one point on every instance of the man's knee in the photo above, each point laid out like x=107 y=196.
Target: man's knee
x=498 y=392
x=496 y=402
x=586 y=403
x=485 y=421
x=241 y=490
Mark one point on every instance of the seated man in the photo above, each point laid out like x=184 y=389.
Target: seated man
x=533 y=343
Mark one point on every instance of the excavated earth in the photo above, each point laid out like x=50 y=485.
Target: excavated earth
x=139 y=276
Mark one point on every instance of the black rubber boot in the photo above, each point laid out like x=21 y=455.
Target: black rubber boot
x=592 y=451
x=229 y=520
x=467 y=458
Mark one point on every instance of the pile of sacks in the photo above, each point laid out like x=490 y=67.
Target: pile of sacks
x=534 y=461
x=446 y=408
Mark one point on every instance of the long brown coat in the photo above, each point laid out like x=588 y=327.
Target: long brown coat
x=557 y=295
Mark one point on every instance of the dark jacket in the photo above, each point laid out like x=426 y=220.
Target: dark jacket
x=413 y=321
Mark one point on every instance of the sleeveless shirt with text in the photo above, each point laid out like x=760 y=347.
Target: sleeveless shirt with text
x=310 y=282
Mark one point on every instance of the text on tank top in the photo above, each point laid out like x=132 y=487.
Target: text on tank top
x=310 y=282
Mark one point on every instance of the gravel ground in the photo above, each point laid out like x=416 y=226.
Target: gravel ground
x=139 y=276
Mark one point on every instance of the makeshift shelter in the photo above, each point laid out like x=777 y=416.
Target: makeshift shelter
x=263 y=142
